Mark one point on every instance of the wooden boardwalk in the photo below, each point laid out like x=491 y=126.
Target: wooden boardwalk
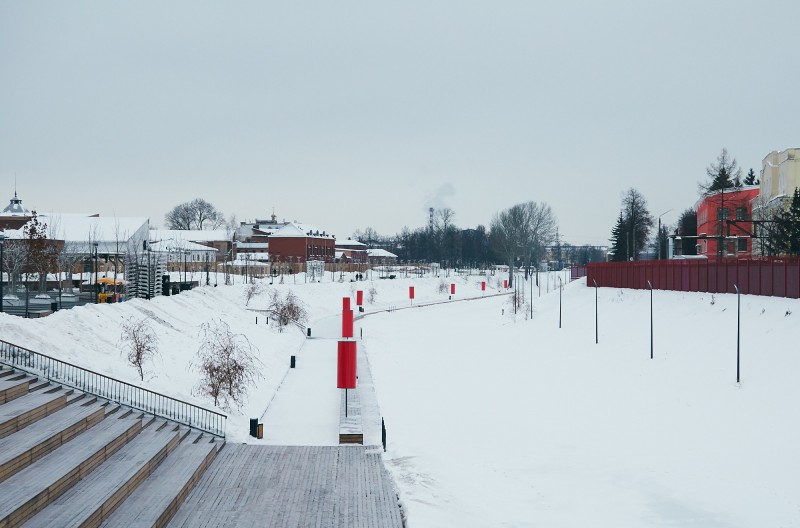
x=319 y=486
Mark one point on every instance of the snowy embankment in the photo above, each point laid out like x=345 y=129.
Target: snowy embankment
x=89 y=336
x=494 y=422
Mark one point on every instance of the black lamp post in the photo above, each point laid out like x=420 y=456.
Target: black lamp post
x=96 y=289
x=185 y=262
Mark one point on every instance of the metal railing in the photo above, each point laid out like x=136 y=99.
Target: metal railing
x=112 y=389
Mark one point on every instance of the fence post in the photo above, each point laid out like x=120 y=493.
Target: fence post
x=650 y=285
x=738 y=319
x=596 y=333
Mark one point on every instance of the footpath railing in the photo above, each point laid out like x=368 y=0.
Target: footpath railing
x=112 y=389
x=774 y=276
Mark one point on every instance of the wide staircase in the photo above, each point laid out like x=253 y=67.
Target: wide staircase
x=68 y=458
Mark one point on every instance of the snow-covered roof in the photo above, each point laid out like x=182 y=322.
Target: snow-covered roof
x=350 y=244
x=293 y=229
x=177 y=246
x=102 y=229
x=15 y=208
x=252 y=245
x=380 y=253
x=192 y=235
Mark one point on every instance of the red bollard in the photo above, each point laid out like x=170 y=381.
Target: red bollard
x=483 y=286
x=347 y=323
x=360 y=297
x=345 y=303
x=505 y=283
x=411 y=292
x=452 y=289
x=346 y=366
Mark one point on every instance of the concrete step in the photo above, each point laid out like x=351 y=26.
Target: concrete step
x=23 y=448
x=95 y=497
x=32 y=489
x=14 y=386
x=29 y=408
x=157 y=500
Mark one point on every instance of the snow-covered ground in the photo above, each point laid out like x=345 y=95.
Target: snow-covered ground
x=497 y=420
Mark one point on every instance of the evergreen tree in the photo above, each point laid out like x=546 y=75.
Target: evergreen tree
x=786 y=240
x=750 y=179
x=724 y=174
x=619 y=240
x=687 y=227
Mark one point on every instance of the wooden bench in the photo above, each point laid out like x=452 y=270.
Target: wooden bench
x=350 y=430
x=29 y=408
x=14 y=386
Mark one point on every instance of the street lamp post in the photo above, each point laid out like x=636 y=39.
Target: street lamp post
x=96 y=292
x=650 y=287
x=658 y=235
x=185 y=262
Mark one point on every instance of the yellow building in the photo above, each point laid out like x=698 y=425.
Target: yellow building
x=780 y=174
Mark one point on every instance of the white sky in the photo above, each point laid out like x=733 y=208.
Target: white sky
x=348 y=114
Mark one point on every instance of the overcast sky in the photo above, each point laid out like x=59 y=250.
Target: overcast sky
x=352 y=114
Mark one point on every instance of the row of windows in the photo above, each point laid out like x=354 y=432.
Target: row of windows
x=741 y=213
x=740 y=245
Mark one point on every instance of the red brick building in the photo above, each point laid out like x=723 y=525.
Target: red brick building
x=351 y=251
x=299 y=243
x=729 y=215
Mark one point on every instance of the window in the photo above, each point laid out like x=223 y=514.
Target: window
x=742 y=245
x=741 y=213
x=722 y=213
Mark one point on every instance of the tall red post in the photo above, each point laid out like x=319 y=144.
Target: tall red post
x=505 y=283
x=345 y=303
x=346 y=366
x=483 y=286
x=452 y=289
x=360 y=297
x=347 y=323
x=411 y=292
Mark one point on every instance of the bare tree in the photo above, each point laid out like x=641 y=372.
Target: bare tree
x=139 y=343
x=197 y=214
x=15 y=255
x=251 y=290
x=287 y=310
x=521 y=232
x=227 y=365
x=372 y=295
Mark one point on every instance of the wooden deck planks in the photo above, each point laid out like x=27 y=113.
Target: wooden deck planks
x=93 y=499
x=255 y=485
x=33 y=488
x=25 y=410
x=13 y=387
x=21 y=449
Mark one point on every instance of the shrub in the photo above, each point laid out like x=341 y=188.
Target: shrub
x=287 y=310
x=139 y=343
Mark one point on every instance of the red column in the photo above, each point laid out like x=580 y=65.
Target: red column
x=505 y=283
x=346 y=366
x=360 y=297
x=452 y=289
x=345 y=303
x=347 y=323
x=411 y=292
x=483 y=286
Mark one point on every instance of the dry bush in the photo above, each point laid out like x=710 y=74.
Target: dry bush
x=251 y=290
x=227 y=365
x=287 y=310
x=139 y=343
x=444 y=287
x=372 y=295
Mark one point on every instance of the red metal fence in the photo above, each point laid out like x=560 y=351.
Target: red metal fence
x=778 y=277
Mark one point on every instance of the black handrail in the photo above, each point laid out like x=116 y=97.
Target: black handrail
x=113 y=389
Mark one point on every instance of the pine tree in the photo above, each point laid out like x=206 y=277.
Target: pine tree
x=791 y=225
x=687 y=227
x=750 y=179
x=724 y=174
x=619 y=240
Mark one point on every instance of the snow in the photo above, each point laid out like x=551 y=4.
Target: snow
x=495 y=419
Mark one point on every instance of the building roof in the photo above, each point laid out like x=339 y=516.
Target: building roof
x=191 y=235
x=15 y=208
x=178 y=246
x=102 y=229
x=350 y=244
x=252 y=245
x=380 y=253
x=295 y=230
